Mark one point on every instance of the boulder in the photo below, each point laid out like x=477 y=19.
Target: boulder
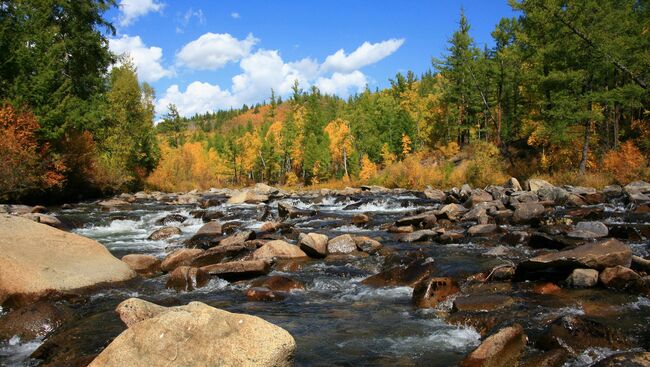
x=278 y=283
x=434 y=194
x=203 y=241
x=421 y=235
x=527 y=212
x=367 y=244
x=343 y=244
x=198 y=334
x=578 y=333
x=481 y=229
x=428 y=293
x=247 y=197
x=222 y=253
x=211 y=228
x=451 y=211
x=424 y=220
x=163 y=233
x=482 y=303
x=407 y=274
x=134 y=310
x=535 y=184
x=278 y=250
x=186 y=278
x=618 y=277
x=239 y=270
x=558 y=265
x=313 y=244
x=37 y=260
x=288 y=211
x=171 y=218
x=47 y=219
x=238 y=238
x=178 y=258
x=635 y=187
x=33 y=321
x=504 y=348
x=582 y=278
x=145 y=265
x=513 y=184
x=640 y=264
x=588 y=230
x=360 y=219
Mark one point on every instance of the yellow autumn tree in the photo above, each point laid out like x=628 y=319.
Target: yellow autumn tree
x=340 y=138
x=368 y=168
x=406 y=145
x=297 y=152
x=251 y=144
x=387 y=157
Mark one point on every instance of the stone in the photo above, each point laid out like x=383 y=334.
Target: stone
x=477 y=196
x=588 y=230
x=541 y=240
x=637 y=187
x=514 y=184
x=238 y=238
x=264 y=189
x=50 y=261
x=222 y=253
x=407 y=274
x=145 y=265
x=287 y=211
x=434 y=194
x=417 y=236
x=186 y=278
x=625 y=359
x=515 y=237
x=360 y=219
x=178 y=258
x=261 y=294
x=202 y=241
x=112 y=203
x=423 y=220
x=430 y=292
x=482 y=303
x=481 y=229
x=239 y=270
x=551 y=358
x=546 y=288
x=278 y=283
x=583 y=278
x=640 y=264
x=367 y=244
x=163 y=233
x=278 y=249
x=578 y=333
x=199 y=334
x=343 y=244
x=211 y=228
x=33 y=321
x=527 y=212
x=534 y=184
x=46 y=219
x=133 y=310
x=618 y=277
x=504 y=348
x=451 y=211
x=313 y=244
x=247 y=197
x=558 y=265
x=171 y=218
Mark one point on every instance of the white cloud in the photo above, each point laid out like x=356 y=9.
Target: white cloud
x=133 y=9
x=147 y=60
x=235 y=15
x=341 y=84
x=198 y=97
x=212 y=51
x=366 y=54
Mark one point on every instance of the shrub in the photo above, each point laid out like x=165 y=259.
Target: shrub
x=625 y=164
x=485 y=166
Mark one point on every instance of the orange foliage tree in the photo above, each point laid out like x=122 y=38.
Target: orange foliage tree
x=625 y=163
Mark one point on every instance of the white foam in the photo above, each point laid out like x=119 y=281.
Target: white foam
x=15 y=352
x=589 y=357
x=445 y=339
x=640 y=302
x=351 y=228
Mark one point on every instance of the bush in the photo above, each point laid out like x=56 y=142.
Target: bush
x=625 y=164
x=485 y=166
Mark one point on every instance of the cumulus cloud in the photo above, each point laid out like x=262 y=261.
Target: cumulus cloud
x=198 y=97
x=212 y=51
x=366 y=54
x=341 y=84
x=132 y=9
x=147 y=60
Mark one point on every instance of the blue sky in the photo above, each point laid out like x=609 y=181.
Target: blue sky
x=209 y=55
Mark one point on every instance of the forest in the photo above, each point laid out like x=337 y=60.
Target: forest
x=563 y=94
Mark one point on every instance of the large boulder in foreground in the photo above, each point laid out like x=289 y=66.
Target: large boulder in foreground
x=559 y=265
x=193 y=335
x=37 y=260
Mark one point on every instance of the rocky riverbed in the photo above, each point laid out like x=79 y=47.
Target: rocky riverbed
x=541 y=276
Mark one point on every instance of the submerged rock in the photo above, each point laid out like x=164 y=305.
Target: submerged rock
x=429 y=292
x=403 y=274
x=626 y=359
x=163 y=233
x=34 y=321
x=199 y=334
x=482 y=303
x=238 y=270
x=278 y=283
x=577 y=333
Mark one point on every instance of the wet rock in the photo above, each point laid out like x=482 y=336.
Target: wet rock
x=429 y=292
x=274 y=226
x=482 y=303
x=222 y=253
x=558 y=265
x=395 y=229
x=198 y=332
x=178 y=258
x=546 y=288
x=134 y=310
x=261 y=294
x=588 y=230
x=407 y=274
x=577 y=333
x=171 y=218
x=451 y=236
x=551 y=358
x=626 y=232
x=238 y=238
x=451 y=211
x=313 y=244
x=527 y=212
x=186 y=278
x=343 y=244
x=626 y=359
x=211 y=228
x=477 y=196
x=481 y=229
x=33 y=321
x=556 y=242
x=502 y=273
x=163 y=233
x=278 y=250
x=367 y=244
x=287 y=211
x=583 y=278
x=586 y=212
x=514 y=184
x=435 y=195
x=360 y=219
x=239 y=270
x=613 y=191
x=504 y=348
x=515 y=237
x=421 y=235
x=640 y=264
x=247 y=197
x=278 y=283
x=423 y=220
x=48 y=261
x=145 y=265
x=112 y=204
x=618 y=277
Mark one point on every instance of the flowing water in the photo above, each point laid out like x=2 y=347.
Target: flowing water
x=336 y=320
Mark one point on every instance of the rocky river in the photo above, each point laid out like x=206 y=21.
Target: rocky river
x=368 y=276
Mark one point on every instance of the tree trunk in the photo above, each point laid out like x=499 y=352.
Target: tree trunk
x=345 y=162
x=585 y=149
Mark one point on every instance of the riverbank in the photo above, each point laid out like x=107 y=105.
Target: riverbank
x=371 y=276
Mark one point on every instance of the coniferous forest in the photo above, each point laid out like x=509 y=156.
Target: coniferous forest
x=563 y=94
